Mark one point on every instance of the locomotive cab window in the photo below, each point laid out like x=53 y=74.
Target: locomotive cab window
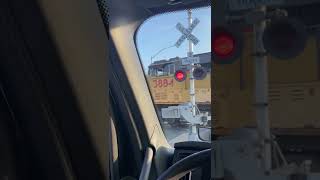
x=175 y=52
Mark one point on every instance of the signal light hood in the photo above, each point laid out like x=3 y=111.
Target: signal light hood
x=285 y=38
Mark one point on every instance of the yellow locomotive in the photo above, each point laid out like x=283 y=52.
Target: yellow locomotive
x=294 y=90
x=166 y=91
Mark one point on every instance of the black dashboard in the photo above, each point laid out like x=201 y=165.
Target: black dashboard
x=184 y=149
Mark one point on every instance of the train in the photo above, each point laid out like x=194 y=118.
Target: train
x=294 y=91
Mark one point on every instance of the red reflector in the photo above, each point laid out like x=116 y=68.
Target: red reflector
x=223 y=45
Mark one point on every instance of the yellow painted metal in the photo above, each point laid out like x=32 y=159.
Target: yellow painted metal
x=166 y=90
x=294 y=91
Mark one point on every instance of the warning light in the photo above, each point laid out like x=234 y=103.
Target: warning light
x=226 y=45
x=223 y=44
x=180 y=75
x=199 y=73
x=285 y=38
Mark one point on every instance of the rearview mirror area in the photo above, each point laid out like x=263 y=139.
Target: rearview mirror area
x=204 y=133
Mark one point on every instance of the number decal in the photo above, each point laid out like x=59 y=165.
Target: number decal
x=171 y=83
x=165 y=82
x=162 y=83
x=156 y=84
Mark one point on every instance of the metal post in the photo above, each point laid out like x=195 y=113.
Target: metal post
x=190 y=54
x=193 y=129
x=261 y=88
x=193 y=135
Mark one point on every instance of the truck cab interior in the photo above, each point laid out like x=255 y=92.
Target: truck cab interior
x=134 y=115
x=74 y=102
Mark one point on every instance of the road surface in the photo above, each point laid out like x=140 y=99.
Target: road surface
x=179 y=134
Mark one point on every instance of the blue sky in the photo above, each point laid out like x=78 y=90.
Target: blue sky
x=160 y=32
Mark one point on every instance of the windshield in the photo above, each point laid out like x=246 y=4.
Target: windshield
x=175 y=52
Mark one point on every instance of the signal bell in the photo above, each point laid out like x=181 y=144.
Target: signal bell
x=284 y=38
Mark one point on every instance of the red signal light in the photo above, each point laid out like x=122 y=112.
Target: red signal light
x=226 y=45
x=223 y=45
x=180 y=75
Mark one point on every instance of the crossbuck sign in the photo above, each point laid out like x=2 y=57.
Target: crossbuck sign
x=186 y=33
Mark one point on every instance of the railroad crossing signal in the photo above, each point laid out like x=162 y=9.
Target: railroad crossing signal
x=226 y=43
x=199 y=73
x=186 y=33
x=283 y=37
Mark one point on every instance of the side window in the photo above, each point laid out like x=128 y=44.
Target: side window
x=175 y=52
